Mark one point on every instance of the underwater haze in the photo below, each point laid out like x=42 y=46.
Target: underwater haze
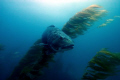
x=22 y=22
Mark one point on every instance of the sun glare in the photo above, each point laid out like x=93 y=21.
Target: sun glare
x=53 y=2
x=58 y=2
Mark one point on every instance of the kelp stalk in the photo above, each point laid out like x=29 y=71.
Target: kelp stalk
x=31 y=65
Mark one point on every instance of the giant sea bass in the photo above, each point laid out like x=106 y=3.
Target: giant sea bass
x=56 y=40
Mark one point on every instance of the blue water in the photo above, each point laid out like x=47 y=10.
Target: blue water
x=22 y=22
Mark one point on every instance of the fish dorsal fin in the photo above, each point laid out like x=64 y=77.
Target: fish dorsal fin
x=51 y=26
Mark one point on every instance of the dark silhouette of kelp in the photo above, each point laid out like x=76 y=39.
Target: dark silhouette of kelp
x=1 y=47
x=82 y=20
x=31 y=65
x=102 y=65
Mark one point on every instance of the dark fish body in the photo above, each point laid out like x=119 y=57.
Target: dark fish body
x=56 y=40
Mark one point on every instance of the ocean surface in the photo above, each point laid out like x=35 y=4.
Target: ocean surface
x=22 y=22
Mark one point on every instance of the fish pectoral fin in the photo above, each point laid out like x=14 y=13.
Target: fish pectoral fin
x=42 y=44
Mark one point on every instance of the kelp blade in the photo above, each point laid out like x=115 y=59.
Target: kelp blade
x=102 y=65
x=82 y=20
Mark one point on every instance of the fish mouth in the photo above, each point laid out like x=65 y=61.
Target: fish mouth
x=68 y=47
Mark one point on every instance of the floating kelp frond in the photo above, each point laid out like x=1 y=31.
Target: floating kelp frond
x=109 y=20
x=105 y=24
x=102 y=65
x=95 y=6
x=102 y=25
x=1 y=47
x=82 y=20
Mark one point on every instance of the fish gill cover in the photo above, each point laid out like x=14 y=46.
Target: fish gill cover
x=31 y=65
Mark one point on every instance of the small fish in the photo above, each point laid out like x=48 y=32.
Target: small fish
x=110 y=20
x=56 y=40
